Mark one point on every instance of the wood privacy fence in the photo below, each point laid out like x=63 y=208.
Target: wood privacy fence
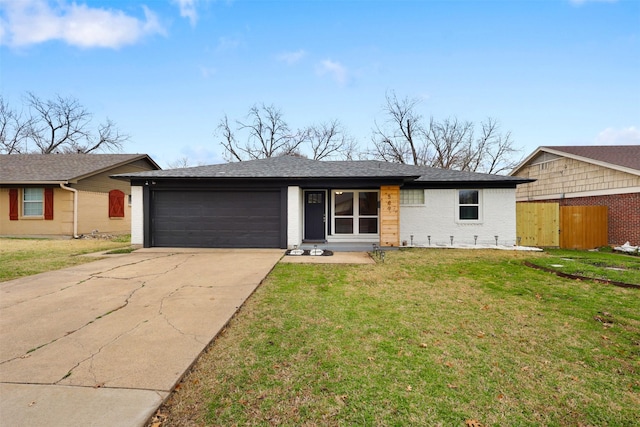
x=570 y=227
x=537 y=224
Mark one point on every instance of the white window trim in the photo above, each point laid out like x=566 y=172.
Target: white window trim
x=480 y=209
x=24 y=203
x=355 y=216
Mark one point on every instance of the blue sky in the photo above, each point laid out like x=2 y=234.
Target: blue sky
x=553 y=72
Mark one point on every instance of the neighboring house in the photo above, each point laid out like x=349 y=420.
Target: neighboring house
x=66 y=194
x=588 y=176
x=286 y=201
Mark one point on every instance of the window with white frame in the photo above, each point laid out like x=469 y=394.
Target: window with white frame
x=32 y=202
x=412 y=197
x=469 y=205
x=355 y=212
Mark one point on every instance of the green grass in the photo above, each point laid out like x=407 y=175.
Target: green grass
x=24 y=257
x=121 y=251
x=430 y=337
x=591 y=264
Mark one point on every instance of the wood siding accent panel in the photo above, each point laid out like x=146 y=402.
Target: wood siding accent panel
x=390 y=215
x=583 y=227
x=13 y=204
x=538 y=224
x=48 y=204
x=568 y=176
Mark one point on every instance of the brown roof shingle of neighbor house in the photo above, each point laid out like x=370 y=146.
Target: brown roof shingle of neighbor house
x=627 y=156
x=25 y=168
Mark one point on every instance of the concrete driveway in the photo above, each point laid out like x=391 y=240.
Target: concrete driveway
x=103 y=344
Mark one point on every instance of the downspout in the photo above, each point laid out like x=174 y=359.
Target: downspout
x=75 y=208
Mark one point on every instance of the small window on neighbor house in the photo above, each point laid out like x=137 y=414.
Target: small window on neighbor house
x=33 y=202
x=468 y=205
x=412 y=197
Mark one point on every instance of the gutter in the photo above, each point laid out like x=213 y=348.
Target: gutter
x=75 y=208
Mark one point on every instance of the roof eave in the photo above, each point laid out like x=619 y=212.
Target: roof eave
x=56 y=182
x=115 y=165
x=271 y=178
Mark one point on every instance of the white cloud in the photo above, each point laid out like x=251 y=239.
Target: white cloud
x=335 y=69
x=626 y=136
x=29 y=22
x=292 y=57
x=188 y=10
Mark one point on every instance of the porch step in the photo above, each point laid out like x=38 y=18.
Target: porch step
x=341 y=247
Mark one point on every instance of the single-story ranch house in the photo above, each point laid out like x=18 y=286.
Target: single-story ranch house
x=66 y=194
x=282 y=202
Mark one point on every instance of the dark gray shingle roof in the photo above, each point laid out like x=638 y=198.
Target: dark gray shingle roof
x=25 y=168
x=300 y=168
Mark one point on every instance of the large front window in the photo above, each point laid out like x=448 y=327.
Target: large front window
x=355 y=212
x=32 y=202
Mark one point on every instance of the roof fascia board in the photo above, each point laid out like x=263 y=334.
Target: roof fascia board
x=220 y=183
x=5 y=183
x=75 y=179
x=525 y=161
x=461 y=184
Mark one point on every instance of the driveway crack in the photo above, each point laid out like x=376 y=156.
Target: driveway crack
x=166 y=318
x=94 y=354
x=100 y=275
x=120 y=307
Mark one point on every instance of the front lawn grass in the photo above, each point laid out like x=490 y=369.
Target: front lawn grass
x=24 y=257
x=429 y=337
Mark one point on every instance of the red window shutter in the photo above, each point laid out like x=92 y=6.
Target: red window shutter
x=48 y=203
x=13 y=204
x=116 y=204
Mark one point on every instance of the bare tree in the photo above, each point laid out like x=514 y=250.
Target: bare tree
x=59 y=125
x=329 y=140
x=264 y=133
x=494 y=152
x=64 y=125
x=401 y=137
x=180 y=163
x=13 y=130
x=268 y=135
x=229 y=143
x=447 y=144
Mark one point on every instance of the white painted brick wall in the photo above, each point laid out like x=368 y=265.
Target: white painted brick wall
x=294 y=216
x=437 y=218
x=137 y=216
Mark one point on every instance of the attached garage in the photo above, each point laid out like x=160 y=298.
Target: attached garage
x=216 y=219
x=289 y=201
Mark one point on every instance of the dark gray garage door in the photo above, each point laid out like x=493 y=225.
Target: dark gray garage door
x=216 y=219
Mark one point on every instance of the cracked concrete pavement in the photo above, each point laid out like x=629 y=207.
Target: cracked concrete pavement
x=104 y=343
